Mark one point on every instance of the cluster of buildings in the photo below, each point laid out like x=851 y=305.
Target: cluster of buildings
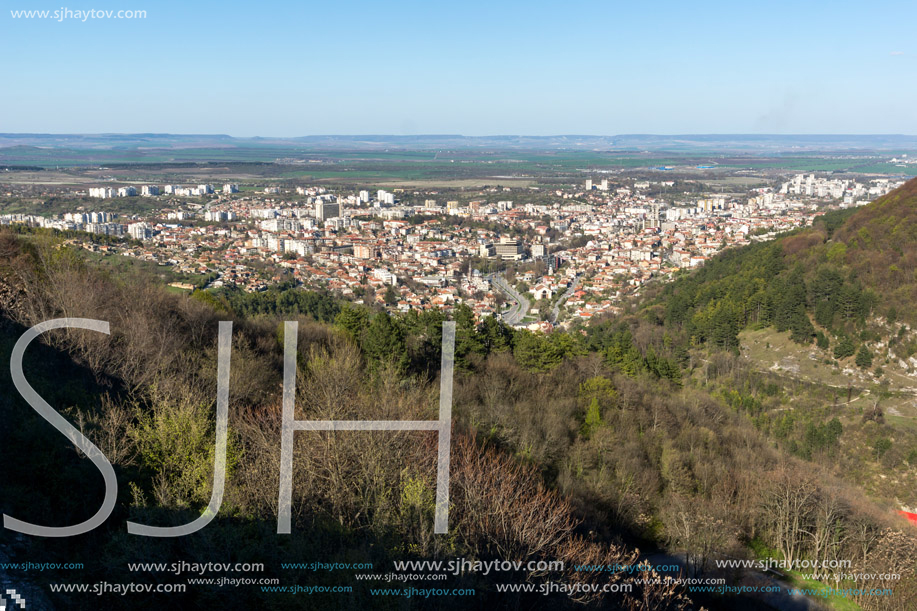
x=99 y=223
x=597 y=245
x=154 y=191
x=848 y=190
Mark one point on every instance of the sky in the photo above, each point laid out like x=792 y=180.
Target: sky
x=294 y=68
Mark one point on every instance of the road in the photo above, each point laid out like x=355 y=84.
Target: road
x=556 y=310
x=515 y=314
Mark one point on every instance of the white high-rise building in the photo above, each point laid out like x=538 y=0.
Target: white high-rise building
x=140 y=231
x=219 y=216
x=101 y=192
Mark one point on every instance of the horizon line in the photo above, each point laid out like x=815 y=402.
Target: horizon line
x=454 y=135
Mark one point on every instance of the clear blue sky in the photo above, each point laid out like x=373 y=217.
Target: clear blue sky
x=291 y=68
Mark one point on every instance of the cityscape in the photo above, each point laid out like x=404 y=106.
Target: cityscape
x=609 y=239
x=458 y=306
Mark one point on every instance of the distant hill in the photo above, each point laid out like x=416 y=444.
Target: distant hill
x=741 y=143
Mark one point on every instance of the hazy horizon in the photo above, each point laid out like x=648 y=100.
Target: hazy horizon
x=470 y=136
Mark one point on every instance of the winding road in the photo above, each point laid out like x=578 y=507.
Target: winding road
x=516 y=313
x=556 y=310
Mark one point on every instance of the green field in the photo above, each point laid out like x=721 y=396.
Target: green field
x=290 y=162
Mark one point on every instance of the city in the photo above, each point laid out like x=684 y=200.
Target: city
x=409 y=250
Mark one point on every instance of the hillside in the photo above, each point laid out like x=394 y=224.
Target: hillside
x=842 y=291
x=880 y=247
x=145 y=396
x=575 y=447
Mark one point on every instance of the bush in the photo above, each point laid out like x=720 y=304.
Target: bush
x=844 y=348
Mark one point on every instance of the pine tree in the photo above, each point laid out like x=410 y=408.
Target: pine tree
x=822 y=341
x=844 y=348
x=864 y=357
x=354 y=321
x=384 y=342
x=468 y=343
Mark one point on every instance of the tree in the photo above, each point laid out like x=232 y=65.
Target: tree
x=593 y=419
x=864 y=357
x=824 y=291
x=391 y=296
x=821 y=340
x=384 y=342
x=693 y=526
x=828 y=530
x=662 y=367
x=531 y=351
x=881 y=446
x=495 y=335
x=788 y=508
x=844 y=348
x=790 y=313
x=354 y=321
x=622 y=354
x=724 y=326
x=469 y=347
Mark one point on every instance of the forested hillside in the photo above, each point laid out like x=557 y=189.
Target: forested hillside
x=849 y=265
x=145 y=393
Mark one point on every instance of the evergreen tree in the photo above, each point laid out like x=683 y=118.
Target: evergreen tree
x=790 y=313
x=623 y=355
x=531 y=351
x=824 y=313
x=384 y=342
x=864 y=357
x=495 y=335
x=822 y=341
x=844 y=348
x=469 y=346
x=723 y=331
x=354 y=321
